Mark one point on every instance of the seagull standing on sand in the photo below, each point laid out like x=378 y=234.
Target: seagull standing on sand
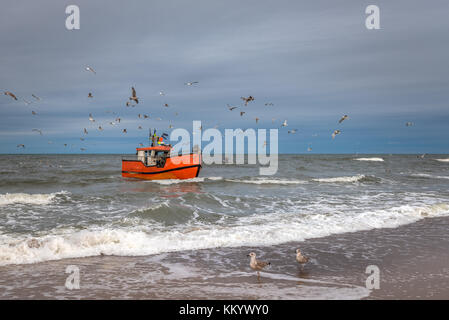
x=12 y=95
x=257 y=265
x=302 y=260
x=335 y=133
x=343 y=118
x=134 y=96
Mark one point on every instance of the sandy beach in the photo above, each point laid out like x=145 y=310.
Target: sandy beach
x=413 y=262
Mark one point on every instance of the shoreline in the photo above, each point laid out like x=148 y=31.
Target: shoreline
x=413 y=262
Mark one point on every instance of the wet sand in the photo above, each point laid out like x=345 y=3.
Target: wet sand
x=413 y=261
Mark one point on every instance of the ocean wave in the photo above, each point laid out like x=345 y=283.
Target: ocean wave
x=25 y=198
x=369 y=159
x=255 y=230
x=442 y=160
x=356 y=178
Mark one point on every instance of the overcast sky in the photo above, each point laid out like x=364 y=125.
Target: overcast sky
x=314 y=60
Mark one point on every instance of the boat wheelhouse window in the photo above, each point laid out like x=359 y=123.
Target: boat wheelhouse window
x=141 y=156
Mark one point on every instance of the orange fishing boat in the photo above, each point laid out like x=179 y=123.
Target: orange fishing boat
x=156 y=163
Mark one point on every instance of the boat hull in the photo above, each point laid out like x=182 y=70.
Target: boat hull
x=179 y=167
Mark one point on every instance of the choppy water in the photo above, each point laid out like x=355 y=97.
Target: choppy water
x=80 y=206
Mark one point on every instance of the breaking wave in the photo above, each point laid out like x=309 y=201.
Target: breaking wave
x=267 y=181
x=370 y=159
x=254 y=230
x=356 y=178
x=25 y=198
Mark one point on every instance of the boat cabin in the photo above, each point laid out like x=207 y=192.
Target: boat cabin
x=153 y=156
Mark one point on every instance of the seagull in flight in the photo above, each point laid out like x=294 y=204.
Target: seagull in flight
x=409 y=124
x=89 y=95
x=249 y=99
x=334 y=134
x=284 y=124
x=33 y=113
x=27 y=102
x=134 y=96
x=12 y=95
x=242 y=113
x=37 y=130
x=21 y=146
x=231 y=107
x=35 y=97
x=293 y=131
x=90 y=69
x=85 y=131
x=191 y=83
x=343 y=118
x=91 y=119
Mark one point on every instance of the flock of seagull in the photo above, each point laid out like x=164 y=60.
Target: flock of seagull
x=133 y=100
x=258 y=265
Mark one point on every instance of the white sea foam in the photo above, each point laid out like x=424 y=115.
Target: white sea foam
x=25 y=198
x=341 y=179
x=430 y=176
x=176 y=181
x=370 y=159
x=442 y=160
x=267 y=181
x=256 y=230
